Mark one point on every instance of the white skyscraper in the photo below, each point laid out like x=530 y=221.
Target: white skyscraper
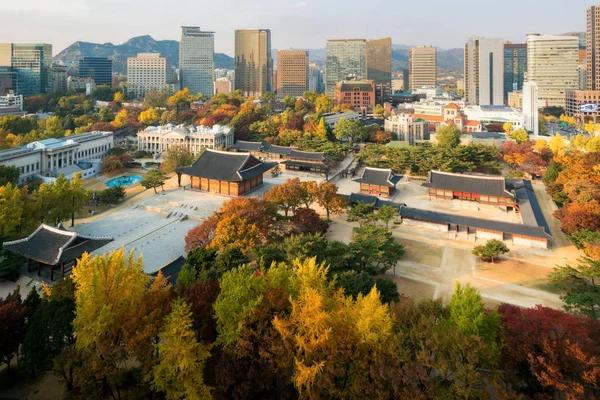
x=196 y=60
x=484 y=71
x=530 y=107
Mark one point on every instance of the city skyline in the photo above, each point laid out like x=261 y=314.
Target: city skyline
x=294 y=24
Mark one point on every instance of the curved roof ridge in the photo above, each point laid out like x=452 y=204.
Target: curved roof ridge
x=491 y=177
x=234 y=153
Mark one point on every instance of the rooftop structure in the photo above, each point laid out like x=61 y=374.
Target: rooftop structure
x=378 y=181
x=291 y=157
x=47 y=157
x=225 y=172
x=55 y=246
x=194 y=138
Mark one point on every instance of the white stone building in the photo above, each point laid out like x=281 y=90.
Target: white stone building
x=484 y=71
x=495 y=114
x=51 y=157
x=195 y=138
x=407 y=129
x=148 y=72
x=75 y=83
x=332 y=118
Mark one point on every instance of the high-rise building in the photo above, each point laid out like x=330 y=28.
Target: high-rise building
x=197 y=60
x=148 y=72
x=360 y=59
x=8 y=81
x=345 y=57
x=98 y=68
x=552 y=64
x=315 y=79
x=515 y=66
x=253 y=61
x=59 y=78
x=32 y=64
x=405 y=80
x=223 y=86
x=379 y=67
x=422 y=65
x=292 y=72
x=593 y=48
x=484 y=71
x=530 y=107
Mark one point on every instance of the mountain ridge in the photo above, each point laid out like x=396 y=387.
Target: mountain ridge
x=448 y=59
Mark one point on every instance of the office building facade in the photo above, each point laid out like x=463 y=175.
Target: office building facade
x=379 y=67
x=422 y=65
x=97 y=68
x=292 y=73
x=59 y=78
x=8 y=81
x=531 y=107
x=148 y=72
x=197 y=60
x=253 y=62
x=223 y=86
x=515 y=66
x=315 y=79
x=360 y=94
x=32 y=65
x=593 y=48
x=345 y=57
x=552 y=64
x=484 y=71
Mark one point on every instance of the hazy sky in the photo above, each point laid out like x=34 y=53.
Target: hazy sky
x=293 y=23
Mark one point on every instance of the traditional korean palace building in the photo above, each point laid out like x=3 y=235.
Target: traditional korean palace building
x=226 y=173
x=484 y=189
x=378 y=182
x=291 y=157
x=54 y=247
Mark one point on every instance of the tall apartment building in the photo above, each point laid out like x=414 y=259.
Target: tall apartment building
x=515 y=66
x=98 y=68
x=484 y=71
x=593 y=48
x=223 y=86
x=292 y=73
x=422 y=65
x=552 y=64
x=253 y=61
x=197 y=60
x=531 y=107
x=148 y=72
x=59 y=78
x=379 y=67
x=32 y=65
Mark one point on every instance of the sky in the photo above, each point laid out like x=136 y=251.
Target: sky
x=293 y=23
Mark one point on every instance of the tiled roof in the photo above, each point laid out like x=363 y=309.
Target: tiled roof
x=226 y=166
x=486 y=185
x=55 y=246
x=379 y=177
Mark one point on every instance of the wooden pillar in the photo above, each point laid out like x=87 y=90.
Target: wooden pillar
x=62 y=270
x=52 y=273
x=457 y=228
x=39 y=268
x=467 y=230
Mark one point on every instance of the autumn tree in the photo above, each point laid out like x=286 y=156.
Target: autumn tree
x=549 y=353
x=181 y=357
x=491 y=250
x=387 y=214
x=153 y=179
x=307 y=221
x=120 y=120
x=176 y=157
x=12 y=327
x=327 y=197
x=148 y=117
x=519 y=135
x=362 y=212
x=102 y=318
x=287 y=196
x=180 y=100
x=111 y=163
x=201 y=235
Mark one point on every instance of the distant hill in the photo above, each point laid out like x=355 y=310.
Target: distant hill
x=119 y=53
x=451 y=59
